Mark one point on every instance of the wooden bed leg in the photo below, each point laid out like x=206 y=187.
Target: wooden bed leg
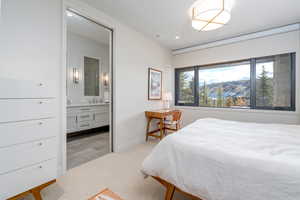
x=36 y=194
x=170 y=192
x=171 y=189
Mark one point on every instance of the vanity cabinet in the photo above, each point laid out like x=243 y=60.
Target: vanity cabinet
x=86 y=117
x=71 y=123
x=100 y=119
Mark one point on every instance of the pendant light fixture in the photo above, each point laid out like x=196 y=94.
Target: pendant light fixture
x=210 y=14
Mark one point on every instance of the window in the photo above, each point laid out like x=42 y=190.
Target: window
x=186 y=87
x=274 y=82
x=225 y=85
x=259 y=83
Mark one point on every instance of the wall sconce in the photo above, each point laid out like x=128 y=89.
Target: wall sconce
x=75 y=75
x=105 y=79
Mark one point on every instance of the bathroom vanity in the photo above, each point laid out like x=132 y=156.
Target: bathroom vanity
x=87 y=105
x=89 y=116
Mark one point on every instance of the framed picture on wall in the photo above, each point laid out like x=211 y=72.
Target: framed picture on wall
x=154 y=84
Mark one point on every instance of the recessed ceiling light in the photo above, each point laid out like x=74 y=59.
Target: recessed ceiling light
x=177 y=37
x=69 y=14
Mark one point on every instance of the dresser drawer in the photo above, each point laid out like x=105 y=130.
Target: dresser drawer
x=19 y=156
x=85 y=117
x=85 y=125
x=27 y=178
x=27 y=131
x=98 y=108
x=101 y=119
x=26 y=109
x=101 y=109
x=26 y=89
x=84 y=109
x=72 y=111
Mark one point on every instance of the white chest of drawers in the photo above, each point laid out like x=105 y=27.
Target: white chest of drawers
x=30 y=94
x=29 y=138
x=26 y=178
x=86 y=117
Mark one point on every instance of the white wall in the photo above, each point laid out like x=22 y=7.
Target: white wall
x=271 y=45
x=78 y=47
x=133 y=55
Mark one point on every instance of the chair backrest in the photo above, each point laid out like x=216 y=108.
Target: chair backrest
x=177 y=115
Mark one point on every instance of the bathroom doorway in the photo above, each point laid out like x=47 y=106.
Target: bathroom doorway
x=88 y=62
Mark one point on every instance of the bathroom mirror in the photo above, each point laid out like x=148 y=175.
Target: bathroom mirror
x=91 y=76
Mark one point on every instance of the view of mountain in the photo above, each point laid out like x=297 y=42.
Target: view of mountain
x=233 y=89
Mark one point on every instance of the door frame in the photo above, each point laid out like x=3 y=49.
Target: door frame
x=91 y=14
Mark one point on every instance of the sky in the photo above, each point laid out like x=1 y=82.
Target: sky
x=268 y=68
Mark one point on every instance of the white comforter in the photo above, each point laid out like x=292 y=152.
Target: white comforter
x=228 y=160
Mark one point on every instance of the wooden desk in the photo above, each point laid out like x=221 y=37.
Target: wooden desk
x=160 y=115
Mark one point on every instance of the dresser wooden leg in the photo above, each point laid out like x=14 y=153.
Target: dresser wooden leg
x=36 y=192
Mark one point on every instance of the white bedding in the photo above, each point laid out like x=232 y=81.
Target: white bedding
x=228 y=160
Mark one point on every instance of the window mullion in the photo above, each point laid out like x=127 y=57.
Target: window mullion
x=293 y=81
x=176 y=86
x=196 y=87
x=253 y=83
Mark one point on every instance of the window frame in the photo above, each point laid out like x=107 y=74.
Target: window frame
x=252 y=62
x=185 y=69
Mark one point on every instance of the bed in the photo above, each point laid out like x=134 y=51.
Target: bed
x=213 y=159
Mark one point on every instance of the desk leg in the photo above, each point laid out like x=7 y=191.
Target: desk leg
x=148 y=126
x=161 y=128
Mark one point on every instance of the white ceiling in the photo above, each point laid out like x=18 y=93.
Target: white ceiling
x=170 y=18
x=83 y=27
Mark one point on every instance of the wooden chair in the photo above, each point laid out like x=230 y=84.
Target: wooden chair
x=173 y=124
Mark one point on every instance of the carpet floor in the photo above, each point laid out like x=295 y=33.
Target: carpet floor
x=118 y=171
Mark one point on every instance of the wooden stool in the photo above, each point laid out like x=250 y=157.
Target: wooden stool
x=36 y=192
